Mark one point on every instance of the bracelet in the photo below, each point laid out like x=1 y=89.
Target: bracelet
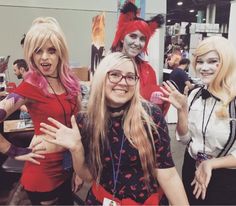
x=17 y=151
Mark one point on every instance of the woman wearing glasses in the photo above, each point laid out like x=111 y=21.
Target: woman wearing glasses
x=122 y=143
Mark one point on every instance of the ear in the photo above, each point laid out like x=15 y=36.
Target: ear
x=127 y=13
x=22 y=70
x=156 y=22
x=129 y=7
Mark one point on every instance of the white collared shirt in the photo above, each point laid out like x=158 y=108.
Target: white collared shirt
x=217 y=131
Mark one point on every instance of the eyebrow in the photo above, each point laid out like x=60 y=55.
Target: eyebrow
x=131 y=73
x=208 y=58
x=117 y=70
x=52 y=47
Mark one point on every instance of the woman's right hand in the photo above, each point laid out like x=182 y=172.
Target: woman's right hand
x=62 y=135
x=30 y=157
x=178 y=100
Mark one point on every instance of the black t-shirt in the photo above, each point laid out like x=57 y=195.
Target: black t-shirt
x=130 y=182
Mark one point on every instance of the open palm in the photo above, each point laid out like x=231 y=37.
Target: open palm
x=178 y=100
x=60 y=134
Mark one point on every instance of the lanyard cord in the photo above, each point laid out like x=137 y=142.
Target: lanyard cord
x=203 y=118
x=115 y=173
x=59 y=101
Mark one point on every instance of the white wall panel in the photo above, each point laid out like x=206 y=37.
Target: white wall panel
x=75 y=17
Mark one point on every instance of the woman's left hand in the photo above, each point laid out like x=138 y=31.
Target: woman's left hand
x=202 y=178
x=56 y=134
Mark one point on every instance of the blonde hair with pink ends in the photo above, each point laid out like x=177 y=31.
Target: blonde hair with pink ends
x=223 y=86
x=133 y=123
x=42 y=30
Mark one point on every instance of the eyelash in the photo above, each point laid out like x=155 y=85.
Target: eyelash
x=52 y=51
x=210 y=62
x=135 y=36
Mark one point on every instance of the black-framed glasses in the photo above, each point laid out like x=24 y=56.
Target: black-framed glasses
x=116 y=76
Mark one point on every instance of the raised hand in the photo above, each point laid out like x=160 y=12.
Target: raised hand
x=178 y=100
x=62 y=135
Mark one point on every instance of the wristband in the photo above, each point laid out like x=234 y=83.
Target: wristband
x=17 y=151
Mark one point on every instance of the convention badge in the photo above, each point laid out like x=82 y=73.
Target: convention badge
x=109 y=202
x=201 y=156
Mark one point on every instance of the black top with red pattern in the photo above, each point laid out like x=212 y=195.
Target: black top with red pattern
x=130 y=181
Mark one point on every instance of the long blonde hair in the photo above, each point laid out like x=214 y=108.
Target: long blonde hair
x=42 y=30
x=133 y=121
x=223 y=86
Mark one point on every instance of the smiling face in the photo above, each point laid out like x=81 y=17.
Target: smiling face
x=46 y=59
x=117 y=94
x=208 y=66
x=133 y=43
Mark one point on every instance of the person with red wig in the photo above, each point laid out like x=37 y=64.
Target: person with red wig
x=131 y=38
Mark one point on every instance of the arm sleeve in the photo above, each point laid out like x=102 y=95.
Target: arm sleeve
x=81 y=122
x=147 y=74
x=162 y=141
x=30 y=91
x=183 y=139
x=233 y=153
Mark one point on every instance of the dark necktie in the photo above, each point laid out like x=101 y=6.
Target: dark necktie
x=206 y=94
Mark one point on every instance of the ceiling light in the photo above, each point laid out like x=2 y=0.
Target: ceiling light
x=180 y=3
x=191 y=10
x=168 y=20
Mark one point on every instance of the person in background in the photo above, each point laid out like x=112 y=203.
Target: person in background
x=185 y=52
x=179 y=76
x=174 y=58
x=187 y=34
x=206 y=123
x=131 y=38
x=20 y=68
x=49 y=89
x=122 y=143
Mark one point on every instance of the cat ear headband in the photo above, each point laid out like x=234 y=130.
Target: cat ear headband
x=129 y=21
